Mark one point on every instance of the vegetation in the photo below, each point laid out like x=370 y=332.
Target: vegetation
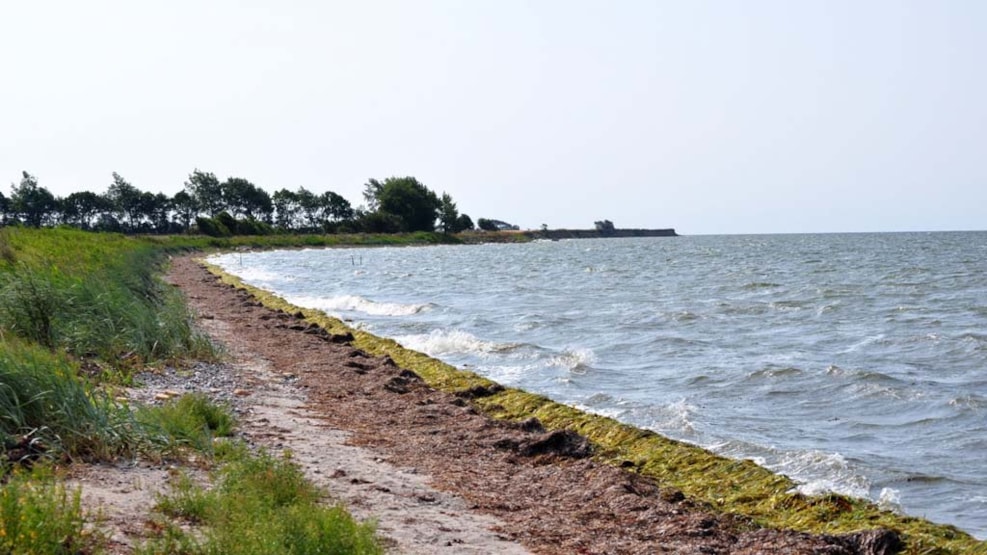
x=232 y=207
x=726 y=485
x=94 y=296
x=78 y=308
x=39 y=515
x=258 y=504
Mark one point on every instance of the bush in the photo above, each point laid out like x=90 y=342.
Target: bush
x=212 y=227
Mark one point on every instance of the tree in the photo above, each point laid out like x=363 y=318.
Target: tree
x=82 y=208
x=415 y=204
x=448 y=214
x=4 y=209
x=160 y=212
x=486 y=225
x=336 y=207
x=243 y=198
x=464 y=223
x=205 y=188
x=371 y=194
x=287 y=209
x=126 y=202
x=185 y=209
x=310 y=208
x=30 y=203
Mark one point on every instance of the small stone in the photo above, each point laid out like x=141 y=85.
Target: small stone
x=241 y=392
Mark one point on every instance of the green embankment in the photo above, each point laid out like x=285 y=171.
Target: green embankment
x=79 y=314
x=726 y=485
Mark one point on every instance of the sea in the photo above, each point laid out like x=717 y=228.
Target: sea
x=852 y=363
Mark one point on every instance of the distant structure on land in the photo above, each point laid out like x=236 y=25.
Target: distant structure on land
x=605 y=226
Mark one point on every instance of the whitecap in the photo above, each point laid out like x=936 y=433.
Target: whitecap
x=355 y=303
x=821 y=472
x=577 y=361
x=889 y=500
x=445 y=342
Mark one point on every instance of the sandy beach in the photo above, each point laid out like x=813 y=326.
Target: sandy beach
x=436 y=474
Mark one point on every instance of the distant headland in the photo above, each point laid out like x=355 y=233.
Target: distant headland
x=556 y=234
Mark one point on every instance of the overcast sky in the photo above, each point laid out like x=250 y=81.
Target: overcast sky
x=710 y=117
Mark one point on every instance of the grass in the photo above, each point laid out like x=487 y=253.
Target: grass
x=77 y=308
x=725 y=485
x=192 y=421
x=39 y=515
x=259 y=504
x=42 y=399
x=95 y=296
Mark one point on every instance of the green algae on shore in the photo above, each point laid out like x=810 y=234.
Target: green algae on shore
x=738 y=487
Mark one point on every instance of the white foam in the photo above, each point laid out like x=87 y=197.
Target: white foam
x=576 y=361
x=889 y=500
x=446 y=342
x=355 y=303
x=254 y=275
x=822 y=472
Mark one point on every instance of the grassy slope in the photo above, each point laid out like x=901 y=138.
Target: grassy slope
x=726 y=485
x=75 y=309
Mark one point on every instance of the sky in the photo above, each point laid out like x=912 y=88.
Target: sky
x=707 y=116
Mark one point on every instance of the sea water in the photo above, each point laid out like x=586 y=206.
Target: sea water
x=854 y=363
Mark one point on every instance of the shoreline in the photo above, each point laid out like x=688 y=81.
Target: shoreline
x=727 y=486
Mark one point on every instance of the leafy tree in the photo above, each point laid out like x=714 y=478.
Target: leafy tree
x=83 y=208
x=378 y=222
x=486 y=225
x=4 y=209
x=185 y=209
x=448 y=214
x=336 y=207
x=311 y=208
x=371 y=194
x=243 y=198
x=464 y=223
x=127 y=204
x=160 y=212
x=205 y=188
x=415 y=204
x=30 y=203
x=287 y=209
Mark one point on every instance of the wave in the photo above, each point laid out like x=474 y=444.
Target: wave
x=446 y=342
x=354 y=303
x=821 y=472
x=252 y=275
x=760 y=285
x=577 y=361
x=775 y=372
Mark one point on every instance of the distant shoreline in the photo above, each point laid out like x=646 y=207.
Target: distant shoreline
x=598 y=234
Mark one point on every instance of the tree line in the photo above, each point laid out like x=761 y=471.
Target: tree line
x=234 y=207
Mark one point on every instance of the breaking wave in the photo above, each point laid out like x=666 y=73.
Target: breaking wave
x=355 y=303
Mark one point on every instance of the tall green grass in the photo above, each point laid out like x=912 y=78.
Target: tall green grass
x=94 y=295
x=42 y=399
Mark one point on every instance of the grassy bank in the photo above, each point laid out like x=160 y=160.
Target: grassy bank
x=79 y=314
x=726 y=485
